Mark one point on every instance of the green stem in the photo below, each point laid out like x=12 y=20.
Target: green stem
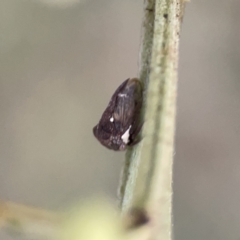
x=147 y=178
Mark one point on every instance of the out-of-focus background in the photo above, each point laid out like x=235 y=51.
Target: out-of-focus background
x=60 y=61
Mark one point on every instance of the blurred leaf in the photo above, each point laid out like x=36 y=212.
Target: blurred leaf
x=92 y=220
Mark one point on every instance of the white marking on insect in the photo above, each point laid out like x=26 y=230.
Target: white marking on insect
x=111 y=119
x=125 y=136
x=122 y=95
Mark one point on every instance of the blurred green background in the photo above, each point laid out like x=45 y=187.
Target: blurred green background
x=61 y=60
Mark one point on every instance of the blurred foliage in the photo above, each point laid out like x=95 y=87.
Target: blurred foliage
x=92 y=220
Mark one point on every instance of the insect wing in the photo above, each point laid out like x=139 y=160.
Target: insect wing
x=128 y=105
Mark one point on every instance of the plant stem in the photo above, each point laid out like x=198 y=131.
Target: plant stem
x=147 y=177
x=29 y=222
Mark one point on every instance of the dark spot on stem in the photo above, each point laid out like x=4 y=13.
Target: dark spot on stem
x=137 y=218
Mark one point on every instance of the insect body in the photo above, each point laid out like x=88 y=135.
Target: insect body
x=118 y=126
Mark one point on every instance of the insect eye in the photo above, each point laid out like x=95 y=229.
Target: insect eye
x=105 y=135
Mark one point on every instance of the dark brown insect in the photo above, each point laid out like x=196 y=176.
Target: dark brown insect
x=118 y=126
